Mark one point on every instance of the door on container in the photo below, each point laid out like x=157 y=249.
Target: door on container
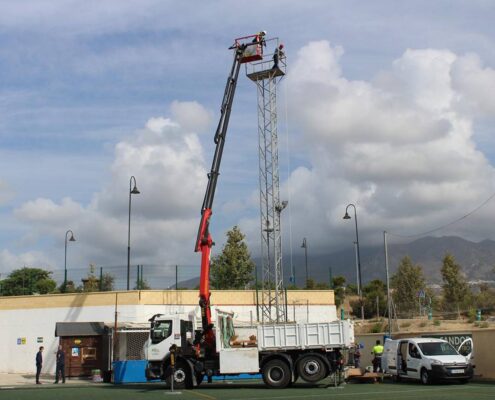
x=82 y=355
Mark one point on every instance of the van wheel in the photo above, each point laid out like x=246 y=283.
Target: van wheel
x=276 y=374
x=311 y=368
x=425 y=377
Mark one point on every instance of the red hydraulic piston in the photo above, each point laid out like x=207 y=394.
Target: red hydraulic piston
x=204 y=245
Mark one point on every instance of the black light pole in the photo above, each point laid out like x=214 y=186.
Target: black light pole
x=72 y=239
x=305 y=247
x=360 y=281
x=132 y=190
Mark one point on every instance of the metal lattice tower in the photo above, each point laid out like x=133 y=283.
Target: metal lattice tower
x=266 y=77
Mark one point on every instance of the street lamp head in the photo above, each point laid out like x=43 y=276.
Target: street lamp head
x=135 y=190
x=346 y=216
x=304 y=243
x=72 y=238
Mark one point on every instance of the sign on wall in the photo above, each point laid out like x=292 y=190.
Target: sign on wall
x=39 y=339
x=454 y=339
x=21 y=340
x=75 y=352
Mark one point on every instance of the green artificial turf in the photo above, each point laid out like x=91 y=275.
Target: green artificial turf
x=255 y=391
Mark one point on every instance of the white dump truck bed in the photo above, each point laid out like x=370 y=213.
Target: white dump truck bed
x=336 y=334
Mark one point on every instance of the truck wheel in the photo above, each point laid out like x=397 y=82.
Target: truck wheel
x=311 y=368
x=182 y=377
x=276 y=374
x=425 y=377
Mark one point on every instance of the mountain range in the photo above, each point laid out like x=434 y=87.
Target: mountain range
x=477 y=260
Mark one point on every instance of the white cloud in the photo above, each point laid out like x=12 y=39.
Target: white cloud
x=191 y=115
x=167 y=161
x=475 y=83
x=400 y=146
x=10 y=261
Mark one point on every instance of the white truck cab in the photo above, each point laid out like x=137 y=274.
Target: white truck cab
x=427 y=360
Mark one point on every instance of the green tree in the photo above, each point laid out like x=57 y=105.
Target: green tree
x=373 y=291
x=233 y=268
x=339 y=289
x=92 y=284
x=351 y=289
x=485 y=299
x=142 y=284
x=407 y=282
x=107 y=282
x=26 y=281
x=455 y=289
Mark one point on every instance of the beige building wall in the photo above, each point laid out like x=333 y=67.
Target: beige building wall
x=29 y=321
x=161 y=297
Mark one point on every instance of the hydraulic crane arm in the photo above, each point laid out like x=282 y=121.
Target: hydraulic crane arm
x=204 y=241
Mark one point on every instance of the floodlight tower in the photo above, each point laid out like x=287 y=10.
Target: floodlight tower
x=266 y=74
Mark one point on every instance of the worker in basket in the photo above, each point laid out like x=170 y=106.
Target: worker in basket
x=377 y=356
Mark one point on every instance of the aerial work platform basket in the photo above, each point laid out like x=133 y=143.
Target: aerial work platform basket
x=253 y=47
x=266 y=68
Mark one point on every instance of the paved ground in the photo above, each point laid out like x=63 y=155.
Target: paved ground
x=252 y=391
x=30 y=379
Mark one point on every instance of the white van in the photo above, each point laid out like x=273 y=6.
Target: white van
x=427 y=360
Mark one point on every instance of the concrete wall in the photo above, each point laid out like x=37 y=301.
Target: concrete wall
x=33 y=317
x=483 y=339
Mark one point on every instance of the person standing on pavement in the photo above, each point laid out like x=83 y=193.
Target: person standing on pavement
x=60 y=365
x=39 y=364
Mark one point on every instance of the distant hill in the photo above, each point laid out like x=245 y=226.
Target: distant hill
x=477 y=260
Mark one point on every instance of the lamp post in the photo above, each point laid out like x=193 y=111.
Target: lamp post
x=132 y=190
x=305 y=247
x=389 y=299
x=71 y=239
x=360 y=281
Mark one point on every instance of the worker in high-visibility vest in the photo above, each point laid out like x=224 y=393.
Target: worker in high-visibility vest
x=377 y=359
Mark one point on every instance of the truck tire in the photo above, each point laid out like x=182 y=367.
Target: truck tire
x=276 y=374
x=182 y=377
x=425 y=377
x=311 y=368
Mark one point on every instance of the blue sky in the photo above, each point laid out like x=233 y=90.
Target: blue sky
x=81 y=81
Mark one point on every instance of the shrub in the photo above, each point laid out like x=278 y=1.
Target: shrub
x=437 y=322
x=376 y=328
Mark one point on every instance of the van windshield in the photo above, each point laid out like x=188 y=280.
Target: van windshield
x=437 y=349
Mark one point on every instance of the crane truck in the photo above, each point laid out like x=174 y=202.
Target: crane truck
x=280 y=352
